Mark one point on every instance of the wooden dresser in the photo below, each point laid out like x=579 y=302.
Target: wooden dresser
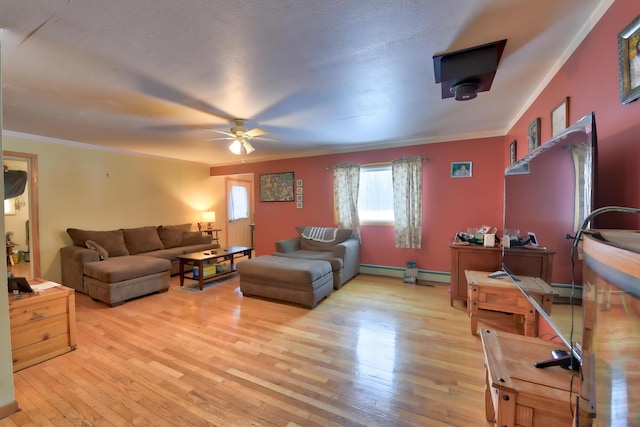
x=43 y=325
x=526 y=262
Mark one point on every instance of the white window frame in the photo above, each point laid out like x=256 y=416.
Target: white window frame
x=379 y=189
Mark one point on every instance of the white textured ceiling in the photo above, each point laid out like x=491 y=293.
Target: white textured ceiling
x=152 y=76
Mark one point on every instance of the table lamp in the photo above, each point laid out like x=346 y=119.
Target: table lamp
x=209 y=217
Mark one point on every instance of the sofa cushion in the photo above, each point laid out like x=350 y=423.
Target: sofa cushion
x=114 y=270
x=171 y=235
x=142 y=239
x=112 y=241
x=336 y=263
x=280 y=272
x=195 y=238
x=313 y=245
x=102 y=252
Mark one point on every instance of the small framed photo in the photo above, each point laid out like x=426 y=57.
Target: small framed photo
x=461 y=169
x=533 y=240
x=534 y=134
x=299 y=205
x=298 y=190
x=298 y=197
x=513 y=152
x=629 y=62
x=560 y=117
x=299 y=183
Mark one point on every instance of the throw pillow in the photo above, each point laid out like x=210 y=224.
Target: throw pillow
x=142 y=239
x=102 y=252
x=112 y=241
x=312 y=245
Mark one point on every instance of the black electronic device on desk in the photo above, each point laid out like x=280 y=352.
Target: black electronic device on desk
x=19 y=284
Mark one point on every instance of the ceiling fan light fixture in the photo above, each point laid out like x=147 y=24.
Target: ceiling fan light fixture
x=248 y=147
x=236 y=147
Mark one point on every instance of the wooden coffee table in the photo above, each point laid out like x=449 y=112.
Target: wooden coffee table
x=204 y=258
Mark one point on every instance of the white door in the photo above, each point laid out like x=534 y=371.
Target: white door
x=239 y=211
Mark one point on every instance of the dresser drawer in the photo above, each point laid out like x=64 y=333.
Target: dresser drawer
x=40 y=330
x=42 y=325
x=36 y=312
x=40 y=351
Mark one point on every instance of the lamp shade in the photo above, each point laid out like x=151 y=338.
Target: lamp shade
x=236 y=147
x=209 y=216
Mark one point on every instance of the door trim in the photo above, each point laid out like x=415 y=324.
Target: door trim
x=34 y=219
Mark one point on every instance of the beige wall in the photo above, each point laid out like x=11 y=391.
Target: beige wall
x=92 y=189
x=85 y=188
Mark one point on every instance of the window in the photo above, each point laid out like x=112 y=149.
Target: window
x=10 y=206
x=238 y=203
x=375 y=195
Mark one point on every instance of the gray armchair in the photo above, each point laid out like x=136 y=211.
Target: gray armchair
x=343 y=253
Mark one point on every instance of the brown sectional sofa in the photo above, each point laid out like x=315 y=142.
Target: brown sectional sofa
x=116 y=265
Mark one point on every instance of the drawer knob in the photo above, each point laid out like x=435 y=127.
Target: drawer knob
x=37 y=316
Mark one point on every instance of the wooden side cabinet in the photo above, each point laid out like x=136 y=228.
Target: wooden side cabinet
x=43 y=325
x=525 y=262
x=517 y=394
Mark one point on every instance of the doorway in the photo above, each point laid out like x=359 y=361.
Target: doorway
x=28 y=226
x=239 y=194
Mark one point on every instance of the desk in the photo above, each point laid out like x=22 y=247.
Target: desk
x=502 y=295
x=519 y=394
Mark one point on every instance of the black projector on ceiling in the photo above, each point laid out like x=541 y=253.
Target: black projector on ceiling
x=466 y=72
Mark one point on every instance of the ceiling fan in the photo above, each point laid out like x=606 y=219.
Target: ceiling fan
x=241 y=138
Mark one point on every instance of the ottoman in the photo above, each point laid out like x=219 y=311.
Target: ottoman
x=118 y=279
x=303 y=282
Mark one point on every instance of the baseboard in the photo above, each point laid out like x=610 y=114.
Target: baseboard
x=8 y=409
x=423 y=275
x=564 y=291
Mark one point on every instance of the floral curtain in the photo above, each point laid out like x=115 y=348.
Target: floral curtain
x=407 y=201
x=346 y=182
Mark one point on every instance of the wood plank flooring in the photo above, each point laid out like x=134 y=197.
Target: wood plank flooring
x=375 y=353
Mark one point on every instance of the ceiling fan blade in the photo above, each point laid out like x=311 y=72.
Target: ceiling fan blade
x=255 y=132
x=223 y=132
x=221 y=139
x=260 y=138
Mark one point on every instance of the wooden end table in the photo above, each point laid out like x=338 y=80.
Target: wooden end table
x=502 y=295
x=519 y=394
x=203 y=258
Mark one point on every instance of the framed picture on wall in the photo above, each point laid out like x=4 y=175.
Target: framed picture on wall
x=461 y=169
x=276 y=187
x=534 y=134
x=629 y=62
x=513 y=152
x=560 y=117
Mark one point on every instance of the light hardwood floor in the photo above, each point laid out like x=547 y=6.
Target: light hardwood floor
x=375 y=353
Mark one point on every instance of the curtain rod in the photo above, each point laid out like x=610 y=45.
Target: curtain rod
x=424 y=159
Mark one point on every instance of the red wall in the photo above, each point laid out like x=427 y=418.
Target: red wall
x=449 y=204
x=590 y=78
